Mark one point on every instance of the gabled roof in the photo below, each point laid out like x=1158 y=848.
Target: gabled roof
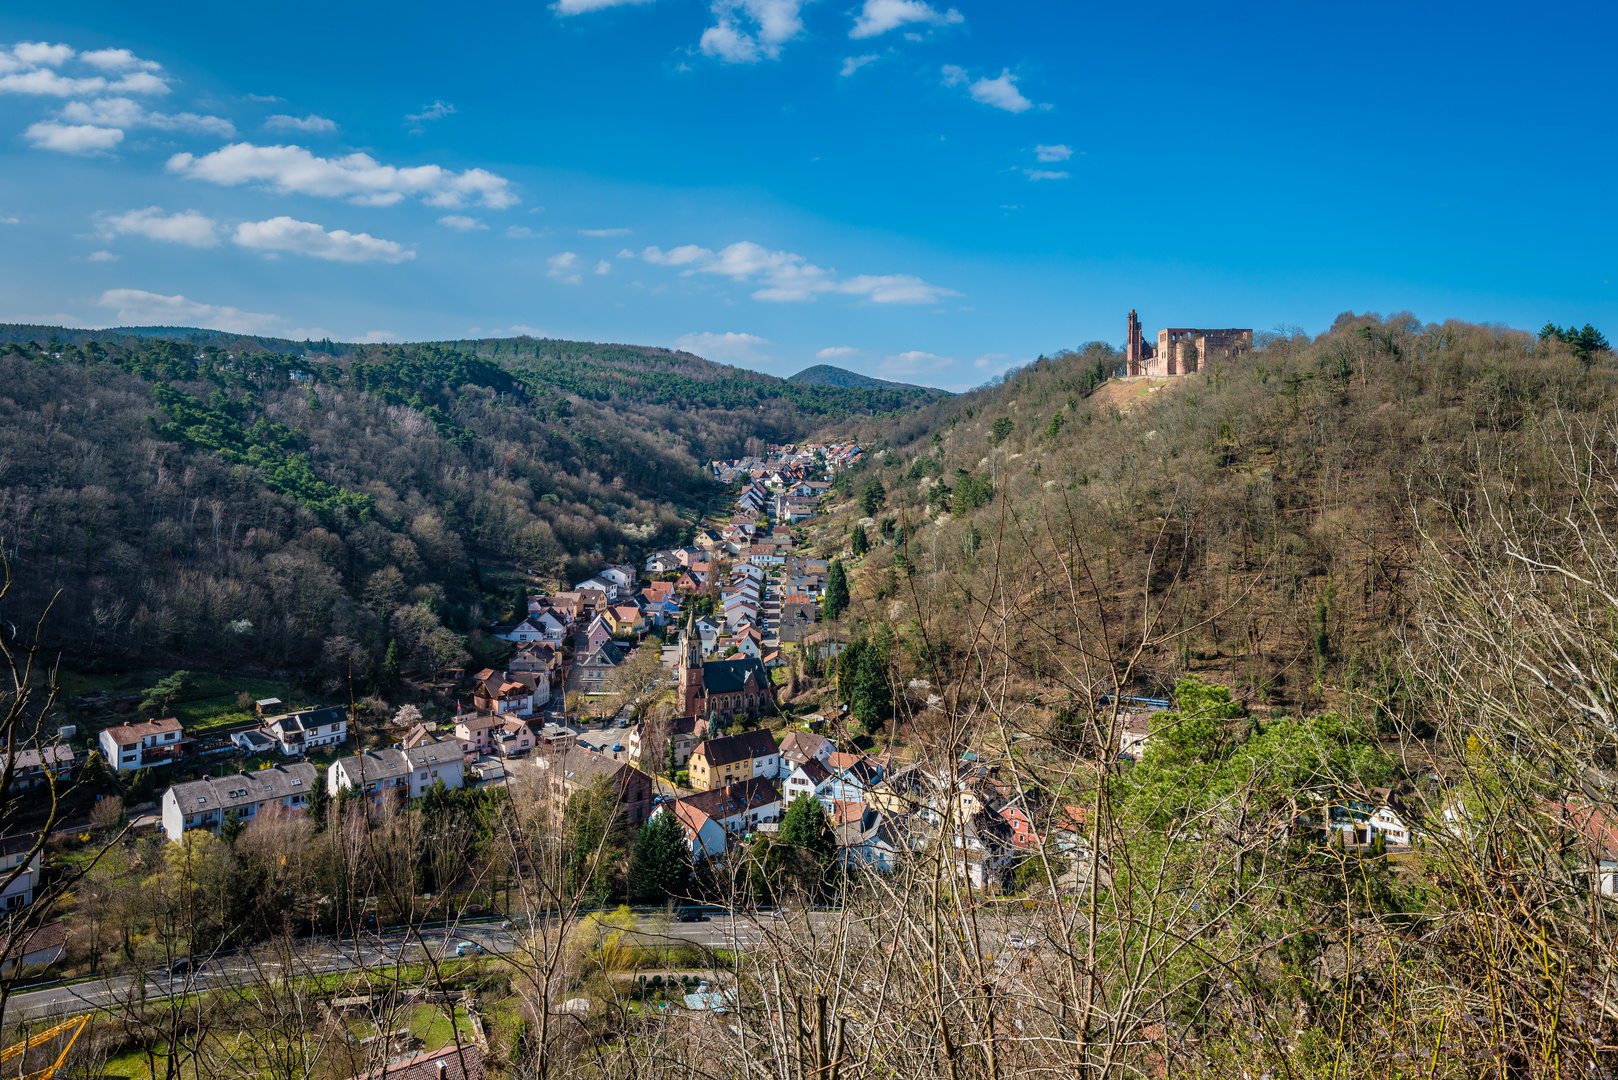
x=816 y=772
x=608 y=655
x=128 y=734
x=737 y=798
x=451 y=1063
x=245 y=789
x=743 y=746
x=731 y=676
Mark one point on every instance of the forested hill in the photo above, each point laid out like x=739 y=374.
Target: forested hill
x=828 y=375
x=209 y=498
x=1267 y=504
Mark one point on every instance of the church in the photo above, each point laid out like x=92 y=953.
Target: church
x=720 y=690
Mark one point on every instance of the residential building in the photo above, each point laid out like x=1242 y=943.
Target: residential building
x=457 y=1061
x=300 y=732
x=732 y=758
x=18 y=851
x=39 y=948
x=805 y=778
x=518 y=693
x=142 y=744
x=798 y=747
x=399 y=772
x=530 y=629
x=713 y=820
x=571 y=771
x=205 y=804
x=39 y=765
x=596 y=672
x=543 y=658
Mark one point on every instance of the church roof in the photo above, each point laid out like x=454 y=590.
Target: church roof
x=731 y=676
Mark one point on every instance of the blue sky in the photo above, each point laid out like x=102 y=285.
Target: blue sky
x=923 y=191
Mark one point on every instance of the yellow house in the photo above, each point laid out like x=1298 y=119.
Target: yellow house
x=624 y=619
x=731 y=759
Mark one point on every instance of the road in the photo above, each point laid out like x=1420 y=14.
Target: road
x=369 y=952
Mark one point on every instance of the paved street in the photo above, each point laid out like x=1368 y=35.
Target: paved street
x=371 y=952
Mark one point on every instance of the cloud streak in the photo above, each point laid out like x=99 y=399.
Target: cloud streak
x=880 y=16
x=1000 y=92
x=312 y=124
x=359 y=178
x=287 y=234
x=187 y=227
x=138 y=307
x=782 y=276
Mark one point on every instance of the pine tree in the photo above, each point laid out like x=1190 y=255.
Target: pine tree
x=858 y=543
x=873 y=496
x=836 y=598
x=661 y=860
x=807 y=839
x=871 y=700
x=389 y=678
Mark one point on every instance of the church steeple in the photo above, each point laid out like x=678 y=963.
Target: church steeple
x=690 y=666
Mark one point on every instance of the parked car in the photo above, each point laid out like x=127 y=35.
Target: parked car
x=469 y=948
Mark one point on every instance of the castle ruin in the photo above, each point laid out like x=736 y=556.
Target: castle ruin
x=1180 y=350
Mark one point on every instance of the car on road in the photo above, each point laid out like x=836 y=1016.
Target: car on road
x=469 y=948
x=690 y=915
x=1017 y=941
x=516 y=922
x=185 y=966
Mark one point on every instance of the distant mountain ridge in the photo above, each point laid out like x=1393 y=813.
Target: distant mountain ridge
x=828 y=375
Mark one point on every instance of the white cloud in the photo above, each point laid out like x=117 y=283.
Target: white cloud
x=46 y=83
x=116 y=60
x=880 y=16
x=520 y=232
x=580 y=7
x=562 y=268
x=625 y=253
x=315 y=125
x=461 y=222
x=915 y=362
x=102 y=256
x=605 y=232
x=187 y=227
x=954 y=76
x=994 y=360
x=307 y=238
x=727 y=346
x=1045 y=174
x=851 y=64
x=835 y=352
x=292 y=170
x=121 y=112
x=746 y=31
x=531 y=331
x=138 y=307
x=603 y=267
x=39 y=54
x=436 y=111
x=1002 y=93
x=9 y=219
x=73 y=138
x=1058 y=152
x=376 y=337
x=268 y=99
x=784 y=276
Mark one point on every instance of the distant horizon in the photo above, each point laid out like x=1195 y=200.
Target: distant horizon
x=907 y=189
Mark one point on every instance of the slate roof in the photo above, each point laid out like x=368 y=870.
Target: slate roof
x=731 y=676
x=244 y=789
x=737 y=798
x=743 y=746
x=445 y=1064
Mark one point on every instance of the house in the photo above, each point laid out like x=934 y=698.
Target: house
x=254 y=742
x=142 y=744
x=41 y=765
x=461 y=1061
x=624 y=619
x=806 y=778
x=205 y=804
x=982 y=846
x=1023 y=831
x=623 y=576
x=399 y=772
x=513 y=738
x=713 y=819
x=270 y=706
x=800 y=613
x=505 y=736
x=901 y=792
x=684 y=732
x=731 y=758
x=472 y=731
x=17 y=851
x=660 y=603
x=662 y=562
x=557 y=737
x=527 y=630
x=38 y=948
x=1134 y=730
x=867 y=837
x=798 y=747
x=596 y=672
x=300 y=732
x=519 y=693
x=552 y=625
x=576 y=769
x=692 y=583
x=537 y=658
x=599 y=634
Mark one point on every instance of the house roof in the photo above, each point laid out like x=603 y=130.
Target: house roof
x=799 y=745
x=128 y=734
x=451 y=1063
x=36 y=756
x=307 y=719
x=18 y=842
x=731 y=676
x=244 y=789
x=743 y=746
x=737 y=798
x=816 y=772
x=606 y=655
